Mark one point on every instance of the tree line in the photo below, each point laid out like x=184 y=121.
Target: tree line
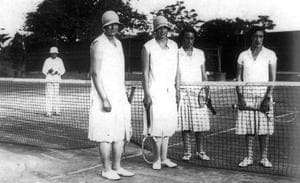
x=71 y=22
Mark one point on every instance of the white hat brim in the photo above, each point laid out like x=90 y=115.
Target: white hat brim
x=162 y=25
x=111 y=22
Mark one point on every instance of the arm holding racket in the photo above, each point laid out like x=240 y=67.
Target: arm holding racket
x=146 y=69
x=241 y=100
x=268 y=100
x=206 y=89
x=148 y=139
x=147 y=96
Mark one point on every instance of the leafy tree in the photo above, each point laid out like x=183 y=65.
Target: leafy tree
x=178 y=15
x=265 y=22
x=228 y=31
x=3 y=39
x=71 y=21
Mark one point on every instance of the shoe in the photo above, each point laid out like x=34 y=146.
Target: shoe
x=48 y=114
x=202 y=156
x=124 y=173
x=246 y=162
x=110 y=175
x=186 y=156
x=168 y=163
x=156 y=165
x=266 y=163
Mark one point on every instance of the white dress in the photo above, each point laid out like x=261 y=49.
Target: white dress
x=115 y=125
x=250 y=122
x=163 y=68
x=192 y=117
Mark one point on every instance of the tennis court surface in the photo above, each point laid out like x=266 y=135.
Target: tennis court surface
x=25 y=164
x=22 y=122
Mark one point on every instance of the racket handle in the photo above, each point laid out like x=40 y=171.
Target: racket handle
x=211 y=108
x=130 y=98
x=148 y=117
x=213 y=111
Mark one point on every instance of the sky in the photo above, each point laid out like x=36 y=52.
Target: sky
x=284 y=13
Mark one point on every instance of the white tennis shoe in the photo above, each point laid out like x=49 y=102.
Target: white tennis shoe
x=246 y=162
x=124 y=173
x=168 y=163
x=110 y=175
x=266 y=163
x=156 y=165
x=186 y=156
x=203 y=156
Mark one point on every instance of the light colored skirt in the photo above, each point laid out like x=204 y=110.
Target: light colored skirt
x=254 y=122
x=109 y=126
x=191 y=116
x=163 y=114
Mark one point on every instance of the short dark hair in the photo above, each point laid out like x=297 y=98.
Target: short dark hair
x=185 y=29
x=254 y=29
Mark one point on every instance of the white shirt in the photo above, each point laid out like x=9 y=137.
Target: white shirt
x=257 y=70
x=56 y=65
x=190 y=66
x=112 y=64
x=163 y=65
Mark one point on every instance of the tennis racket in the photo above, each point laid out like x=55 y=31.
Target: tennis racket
x=148 y=142
x=205 y=100
x=264 y=107
x=131 y=95
x=130 y=99
x=283 y=112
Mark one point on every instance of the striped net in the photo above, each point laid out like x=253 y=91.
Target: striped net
x=221 y=136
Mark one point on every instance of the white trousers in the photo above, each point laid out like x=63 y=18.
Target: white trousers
x=52 y=98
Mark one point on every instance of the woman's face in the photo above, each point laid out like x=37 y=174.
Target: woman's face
x=188 y=40
x=53 y=55
x=111 y=30
x=162 y=32
x=257 y=39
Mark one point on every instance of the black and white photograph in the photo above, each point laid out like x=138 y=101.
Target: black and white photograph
x=152 y=91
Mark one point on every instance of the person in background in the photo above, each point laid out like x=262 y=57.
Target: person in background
x=192 y=117
x=53 y=69
x=159 y=58
x=256 y=64
x=110 y=113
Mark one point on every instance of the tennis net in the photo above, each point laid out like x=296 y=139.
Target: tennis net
x=23 y=121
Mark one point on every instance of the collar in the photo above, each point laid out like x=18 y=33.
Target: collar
x=168 y=43
x=108 y=42
x=261 y=51
x=182 y=51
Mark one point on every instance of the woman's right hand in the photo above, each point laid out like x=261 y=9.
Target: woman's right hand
x=106 y=105
x=147 y=101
